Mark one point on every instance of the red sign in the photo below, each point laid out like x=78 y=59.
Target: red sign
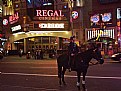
x=13 y=18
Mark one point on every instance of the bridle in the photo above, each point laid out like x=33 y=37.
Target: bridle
x=96 y=63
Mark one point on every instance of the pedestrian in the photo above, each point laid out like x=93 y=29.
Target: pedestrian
x=20 y=53
x=72 y=51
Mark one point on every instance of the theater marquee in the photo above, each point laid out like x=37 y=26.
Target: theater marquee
x=51 y=25
x=49 y=20
x=49 y=15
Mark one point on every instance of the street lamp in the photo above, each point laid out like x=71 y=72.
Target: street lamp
x=1 y=23
x=70 y=7
x=1 y=16
x=71 y=20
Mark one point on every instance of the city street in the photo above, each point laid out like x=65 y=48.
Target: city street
x=21 y=74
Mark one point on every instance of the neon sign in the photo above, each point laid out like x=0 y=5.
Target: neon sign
x=103 y=18
x=95 y=18
x=51 y=25
x=106 y=17
x=49 y=13
x=13 y=18
x=74 y=14
x=9 y=3
x=5 y=22
x=99 y=34
x=18 y=27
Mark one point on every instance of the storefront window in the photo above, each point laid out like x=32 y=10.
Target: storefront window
x=51 y=46
x=31 y=40
x=38 y=40
x=52 y=40
x=43 y=47
x=45 y=40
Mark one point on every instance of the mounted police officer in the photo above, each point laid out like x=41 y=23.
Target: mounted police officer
x=72 y=50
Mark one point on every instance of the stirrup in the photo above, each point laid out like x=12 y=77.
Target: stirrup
x=69 y=69
x=77 y=84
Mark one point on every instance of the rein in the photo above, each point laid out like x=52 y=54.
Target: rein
x=92 y=64
x=95 y=63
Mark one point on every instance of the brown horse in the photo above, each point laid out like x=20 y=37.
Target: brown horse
x=82 y=63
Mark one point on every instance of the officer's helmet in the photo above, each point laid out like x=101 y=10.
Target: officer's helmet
x=72 y=37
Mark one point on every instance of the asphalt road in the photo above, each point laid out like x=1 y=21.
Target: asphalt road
x=21 y=74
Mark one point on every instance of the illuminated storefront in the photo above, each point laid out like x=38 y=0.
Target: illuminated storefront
x=103 y=30
x=42 y=33
x=41 y=26
x=106 y=39
x=99 y=33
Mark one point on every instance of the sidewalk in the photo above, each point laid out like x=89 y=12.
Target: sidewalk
x=23 y=58
x=16 y=58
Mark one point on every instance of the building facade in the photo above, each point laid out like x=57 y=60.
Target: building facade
x=103 y=24
x=43 y=25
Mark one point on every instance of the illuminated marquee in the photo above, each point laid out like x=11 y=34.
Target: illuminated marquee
x=15 y=28
x=99 y=33
x=48 y=15
x=51 y=25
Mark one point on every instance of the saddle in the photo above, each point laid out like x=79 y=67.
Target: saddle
x=73 y=65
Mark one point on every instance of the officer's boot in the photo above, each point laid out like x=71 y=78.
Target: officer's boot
x=69 y=66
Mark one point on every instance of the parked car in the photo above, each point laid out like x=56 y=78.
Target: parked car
x=116 y=57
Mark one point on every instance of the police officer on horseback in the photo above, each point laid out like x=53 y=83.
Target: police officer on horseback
x=72 y=51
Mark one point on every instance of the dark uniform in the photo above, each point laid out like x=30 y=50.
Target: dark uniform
x=72 y=50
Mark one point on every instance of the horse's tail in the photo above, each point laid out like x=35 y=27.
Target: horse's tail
x=59 y=66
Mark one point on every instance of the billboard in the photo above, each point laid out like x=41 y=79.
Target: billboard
x=105 y=19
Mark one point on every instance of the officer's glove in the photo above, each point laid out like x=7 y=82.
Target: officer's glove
x=72 y=54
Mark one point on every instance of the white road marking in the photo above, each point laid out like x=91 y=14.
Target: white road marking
x=47 y=75
x=35 y=88
x=43 y=67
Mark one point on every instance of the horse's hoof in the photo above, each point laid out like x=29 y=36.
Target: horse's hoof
x=60 y=85
x=78 y=88
x=64 y=83
x=84 y=90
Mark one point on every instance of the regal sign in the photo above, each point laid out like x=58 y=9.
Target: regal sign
x=48 y=15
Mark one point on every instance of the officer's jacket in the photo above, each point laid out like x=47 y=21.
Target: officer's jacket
x=73 y=48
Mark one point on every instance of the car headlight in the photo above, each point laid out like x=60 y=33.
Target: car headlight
x=113 y=56
x=0 y=51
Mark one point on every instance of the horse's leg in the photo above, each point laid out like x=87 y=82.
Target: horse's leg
x=63 y=73
x=83 y=81
x=59 y=73
x=78 y=77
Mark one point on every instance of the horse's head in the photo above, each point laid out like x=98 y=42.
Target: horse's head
x=97 y=55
